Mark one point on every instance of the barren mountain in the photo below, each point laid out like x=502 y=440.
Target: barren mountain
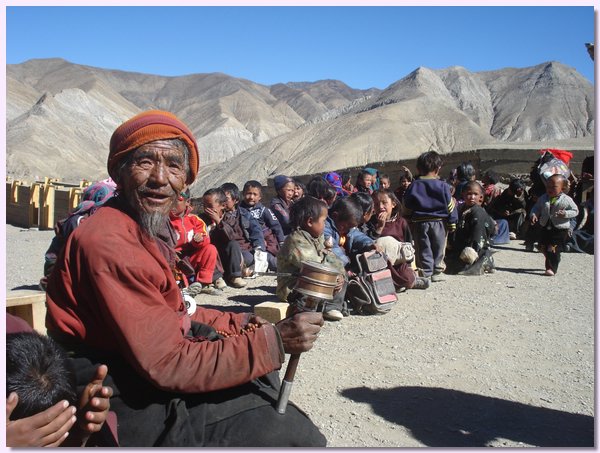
x=60 y=117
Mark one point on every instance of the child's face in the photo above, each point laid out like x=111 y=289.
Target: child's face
x=343 y=226
x=385 y=183
x=367 y=215
x=367 y=181
x=472 y=196
x=252 y=196
x=180 y=205
x=287 y=192
x=298 y=192
x=229 y=202
x=404 y=183
x=315 y=227
x=554 y=186
x=383 y=203
x=211 y=202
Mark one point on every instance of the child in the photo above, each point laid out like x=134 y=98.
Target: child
x=553 y=210
x=271 y=228
x=384 y=181
x=39 y=377
x=193 y=243
x=347 y=183
x=299 y=190
x=365 y=201
x=319 y=188
x=280 y=205
x=490 y=180
x=432 y=210
x=306 y=243
x=469 y=251
x=465 y=173
x=510 y=206
x=391 y=232
x=364 y=182
x=335 y=180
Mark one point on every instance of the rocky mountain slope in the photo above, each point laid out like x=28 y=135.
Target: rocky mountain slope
x=60 y=117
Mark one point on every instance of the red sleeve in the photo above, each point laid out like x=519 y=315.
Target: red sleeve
x=198 y=226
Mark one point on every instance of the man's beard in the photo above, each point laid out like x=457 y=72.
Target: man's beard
x=152 y=223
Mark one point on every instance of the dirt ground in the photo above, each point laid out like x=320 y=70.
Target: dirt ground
x=504 y=360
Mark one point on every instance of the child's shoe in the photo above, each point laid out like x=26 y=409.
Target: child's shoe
x=220 y=283
x=549 y=273
x=333 y=315
x=421 y=283
x=237 y=282
x=438 y=277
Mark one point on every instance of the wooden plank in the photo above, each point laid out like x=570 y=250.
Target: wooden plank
x=29 y=305
x=271 y=311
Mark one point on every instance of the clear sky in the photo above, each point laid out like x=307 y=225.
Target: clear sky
x=362 y=46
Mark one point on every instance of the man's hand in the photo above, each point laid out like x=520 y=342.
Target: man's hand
x=48 y=428
x=299 y=332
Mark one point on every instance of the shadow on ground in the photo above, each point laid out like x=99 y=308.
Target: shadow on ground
x=253 y=300
x=518 y=270
x=28 y=287
x=440 y=417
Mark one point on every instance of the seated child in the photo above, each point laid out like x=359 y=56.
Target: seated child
x=364 y=182
x=384 y=182
x=510 y=206
x=42 y=397
x=335 y=180
x=280 y=205
x=237 y=237
x=193 y=244
x=391 y=232
x=92 y=199
x=271 y=228
x=553 y=211
x=306 y=243
x=347 y=183
x=469 y=251
x=299 y=190
x=319 y=188
x=490 y=180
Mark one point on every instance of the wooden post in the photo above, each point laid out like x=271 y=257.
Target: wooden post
x=46 y=217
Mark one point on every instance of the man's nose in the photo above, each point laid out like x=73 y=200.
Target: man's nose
x=159 y=174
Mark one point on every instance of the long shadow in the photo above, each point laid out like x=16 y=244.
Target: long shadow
x=441 y=417
x=268 y=289
x=252 y=300
x=518 y=270
x=232 y=308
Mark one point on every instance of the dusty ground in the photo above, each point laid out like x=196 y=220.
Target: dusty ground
x=502 y=360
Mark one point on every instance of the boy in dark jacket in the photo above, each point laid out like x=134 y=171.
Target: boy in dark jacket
x=271 y=228
x=432 y=210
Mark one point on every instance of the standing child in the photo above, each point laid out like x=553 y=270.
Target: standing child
x=271 y=228
x=432 y=210
x=193 y=243
x=306 y=243
x=392 y=234
x=553 y=210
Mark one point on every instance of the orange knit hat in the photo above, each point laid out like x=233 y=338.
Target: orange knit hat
x=148 y=127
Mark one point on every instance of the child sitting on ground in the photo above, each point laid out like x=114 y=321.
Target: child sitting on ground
x=280 y=205
x=391 y=232
x=432 y=210
x=384 y=182
x=40 y=385
x=364 y=182
x=469 y=250
x=553 y=210
x=271 y=228
x=299 y=190
x=306 y=243
x=510 y=206
x=193 y=244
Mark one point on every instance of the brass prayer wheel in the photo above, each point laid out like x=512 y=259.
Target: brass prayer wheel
x=316 y=280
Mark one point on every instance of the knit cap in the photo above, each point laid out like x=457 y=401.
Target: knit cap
x=280 y=181
x=148 y=127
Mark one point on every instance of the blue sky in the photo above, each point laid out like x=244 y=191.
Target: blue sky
x=362 y=46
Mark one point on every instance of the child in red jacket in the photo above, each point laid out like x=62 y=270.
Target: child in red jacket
x=193 y=243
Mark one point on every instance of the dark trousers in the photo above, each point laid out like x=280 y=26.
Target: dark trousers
x=553 y=241
x=231 y=258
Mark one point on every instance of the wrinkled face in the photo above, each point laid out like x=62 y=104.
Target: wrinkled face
x=383 y=203
x=229 y=202
x=154 y=178
x=316 y=226
x=554 y=186
x=212 y=202
x=287 y=192
x=472 y=196
x=252 y=196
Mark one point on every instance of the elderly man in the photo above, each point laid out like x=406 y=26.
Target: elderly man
x=205 y=380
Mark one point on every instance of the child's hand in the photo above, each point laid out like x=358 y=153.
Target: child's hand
x=198 y=237
x=214 y=215
x=561 y=213
x=533 y=219
x=48 y=428
x=94 y=404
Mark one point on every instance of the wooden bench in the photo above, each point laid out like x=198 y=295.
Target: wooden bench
x=29 y=305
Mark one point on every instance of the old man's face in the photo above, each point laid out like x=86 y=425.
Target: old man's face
x=155 y=178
